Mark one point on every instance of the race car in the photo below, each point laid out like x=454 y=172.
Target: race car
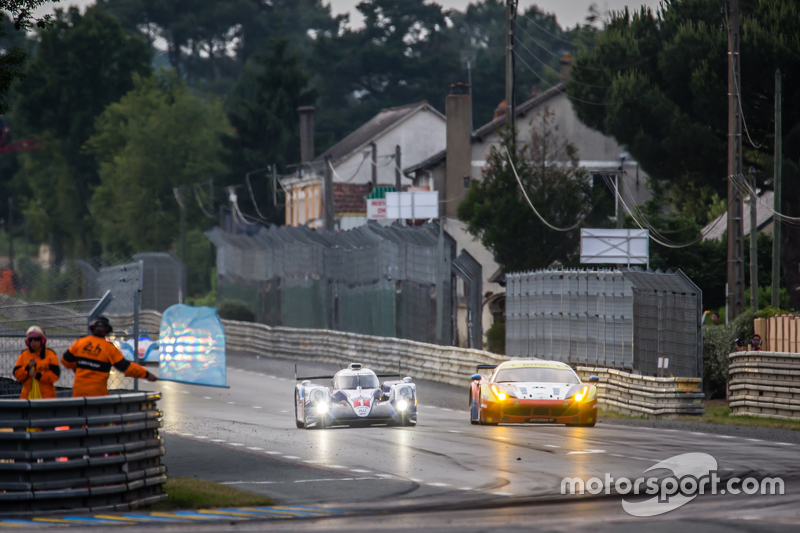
x=356 y=397
x=525 y=391
x=148 y=350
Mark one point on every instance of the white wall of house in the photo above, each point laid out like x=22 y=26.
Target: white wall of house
x=419 y=136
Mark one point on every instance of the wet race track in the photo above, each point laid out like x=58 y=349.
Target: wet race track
x=448 y=475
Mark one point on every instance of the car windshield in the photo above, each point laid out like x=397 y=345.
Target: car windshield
x=352 y=381
x=536 y=375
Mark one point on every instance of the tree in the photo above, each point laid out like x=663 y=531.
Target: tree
x=657 y=83
x=157 y=137
x=264 y=116
x=561 y=191
x=82 y=64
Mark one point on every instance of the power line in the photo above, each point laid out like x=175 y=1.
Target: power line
x=525 y=193
x=250 y=188
x=200 y=203
x=557 y=72
x=546 y=31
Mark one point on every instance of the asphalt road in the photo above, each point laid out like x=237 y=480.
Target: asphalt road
x=446 y=474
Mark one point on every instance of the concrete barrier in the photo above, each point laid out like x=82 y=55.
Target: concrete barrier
x=765 y=384
x=618 y=390
x=636 y=395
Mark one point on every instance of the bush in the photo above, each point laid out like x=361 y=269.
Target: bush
x=496 y=338
x=718 y=343
x=236 y=310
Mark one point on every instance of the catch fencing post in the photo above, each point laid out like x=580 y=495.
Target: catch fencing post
x=137 y=299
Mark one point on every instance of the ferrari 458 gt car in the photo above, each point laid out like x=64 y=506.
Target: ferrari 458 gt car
x=531 y=391
x=355 y=397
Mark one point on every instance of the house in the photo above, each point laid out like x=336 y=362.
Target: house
x=371 y=156
x=764 y=218
x=451 y=170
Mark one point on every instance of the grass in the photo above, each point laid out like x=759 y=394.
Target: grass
x=717 y=412
x=190 y=493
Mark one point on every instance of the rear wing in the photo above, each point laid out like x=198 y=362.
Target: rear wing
x=485 y=367
x=309 y=378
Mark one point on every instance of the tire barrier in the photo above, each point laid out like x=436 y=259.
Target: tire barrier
x=80 y=454
x=636 y=395
x=765 y=384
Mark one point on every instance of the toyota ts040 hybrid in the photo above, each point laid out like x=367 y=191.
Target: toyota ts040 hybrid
x=355 y=397
x=530 y=391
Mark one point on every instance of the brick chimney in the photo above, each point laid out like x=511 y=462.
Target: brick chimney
x=566 y=66
x=306 y=133
x=458 y=111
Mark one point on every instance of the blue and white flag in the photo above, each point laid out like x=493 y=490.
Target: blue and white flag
x=192 y=346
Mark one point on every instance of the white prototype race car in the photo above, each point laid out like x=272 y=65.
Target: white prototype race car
x=356 y=397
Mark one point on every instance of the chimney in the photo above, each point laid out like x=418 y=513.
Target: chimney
x=566 y=66
x=500 y=110
x=306 y=133
x=458 y=111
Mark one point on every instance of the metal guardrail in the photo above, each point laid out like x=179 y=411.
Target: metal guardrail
x=637 y=395
x=765 y=384
x=80 y=454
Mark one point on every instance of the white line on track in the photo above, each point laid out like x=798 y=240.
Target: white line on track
x=784 y=443
x=273 y=453
x=217 y=440
x=201 y=437
x=697 y=433
x=503 y=493
x=256 y=448
x=272 y=377
x=587 y=452
x=187 y=435
x=336 y=466
x=439 y=484
x=755 y=440
x=726 y=437
x=385 y=476
x=185 y=391
x=290 y=457
x=359 y=471
x=231 y=403
x=310 y=461
x=504 y=438
x=415 y=480
x=616 y=455
x=256 y=407
x=236 y=444
x=206 y=397
x=465 y=488
x=453 y=431
x=551 y=446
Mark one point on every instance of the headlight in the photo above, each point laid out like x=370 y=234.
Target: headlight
x=500 y=395
x=317 y=395
x=582 y=394
x=402 y=405
x=322 y=407
x=403 y=392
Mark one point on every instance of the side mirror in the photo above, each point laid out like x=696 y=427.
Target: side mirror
x=476 y=377
x=306 y=383
x=593 y=379
x=407 y=379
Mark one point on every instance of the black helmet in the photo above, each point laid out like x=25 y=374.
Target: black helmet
x=101 y=321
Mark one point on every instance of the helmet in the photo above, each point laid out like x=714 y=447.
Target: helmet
x=101 y=321
x=35 y=332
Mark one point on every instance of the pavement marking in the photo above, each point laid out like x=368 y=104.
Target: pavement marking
x=503 y=493
x=310 y=461
x=254 y=448
x=551 y=446
x=290 y=457
x=445 y=409
x=187 y=435
x=726 y=437
x=167 y=386
x=504 y=438
x=236 y=444
x=207 y=397
x=587 y=452
x=439 y=484
x=217 y=440
x=231 y=403
x=201 y=437
x=273 y=453
x=697 y=433
x=256 y=407
x=185 y=392
x=272 y=377
x=616 y=455
x=359 y=471
x=385 y=476
x=465 y=488
x=755 y=440
x=336 y=466
x=784 y=444
x=415 y=480
x=284 y=411
x=453 y=431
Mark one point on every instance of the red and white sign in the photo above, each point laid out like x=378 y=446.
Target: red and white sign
x=376 y=208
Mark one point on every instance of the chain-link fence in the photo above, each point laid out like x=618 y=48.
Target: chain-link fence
x=63 y=298
x=374 y=279
x=607 y=318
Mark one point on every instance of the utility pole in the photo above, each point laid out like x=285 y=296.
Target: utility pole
x=10 y=233
x=328 y=193
x=511 y=18
x=397 y=184
x=178 y=191
x=735 y=199
x=374 y=165
x=753 y=244
x=776 y=221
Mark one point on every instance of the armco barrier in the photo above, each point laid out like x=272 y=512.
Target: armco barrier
x=765 y=384
x=629 y=393
x=644 y=395
x=80 y=454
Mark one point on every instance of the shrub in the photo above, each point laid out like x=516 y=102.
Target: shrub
x=496 y=338
x=236 y=310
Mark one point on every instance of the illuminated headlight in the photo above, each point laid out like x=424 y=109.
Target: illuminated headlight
x=402 y=405
x=322 y=408
x=582 y=394
x=500 y=394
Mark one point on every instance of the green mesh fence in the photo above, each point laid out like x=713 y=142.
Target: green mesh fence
x=370 y=309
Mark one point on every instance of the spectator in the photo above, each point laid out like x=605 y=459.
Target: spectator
x=739 y=345
x=93 y=356
x=757 y=342
x=715 y=319
x=37 y=367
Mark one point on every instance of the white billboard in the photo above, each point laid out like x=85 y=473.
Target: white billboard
x=615 y=246
x=376 y=208
x=412 y=205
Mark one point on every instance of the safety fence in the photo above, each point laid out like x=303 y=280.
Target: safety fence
x=765 y=384
x=624 y=319
x=652 y=397
x=80 y=454
x=394 y=281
